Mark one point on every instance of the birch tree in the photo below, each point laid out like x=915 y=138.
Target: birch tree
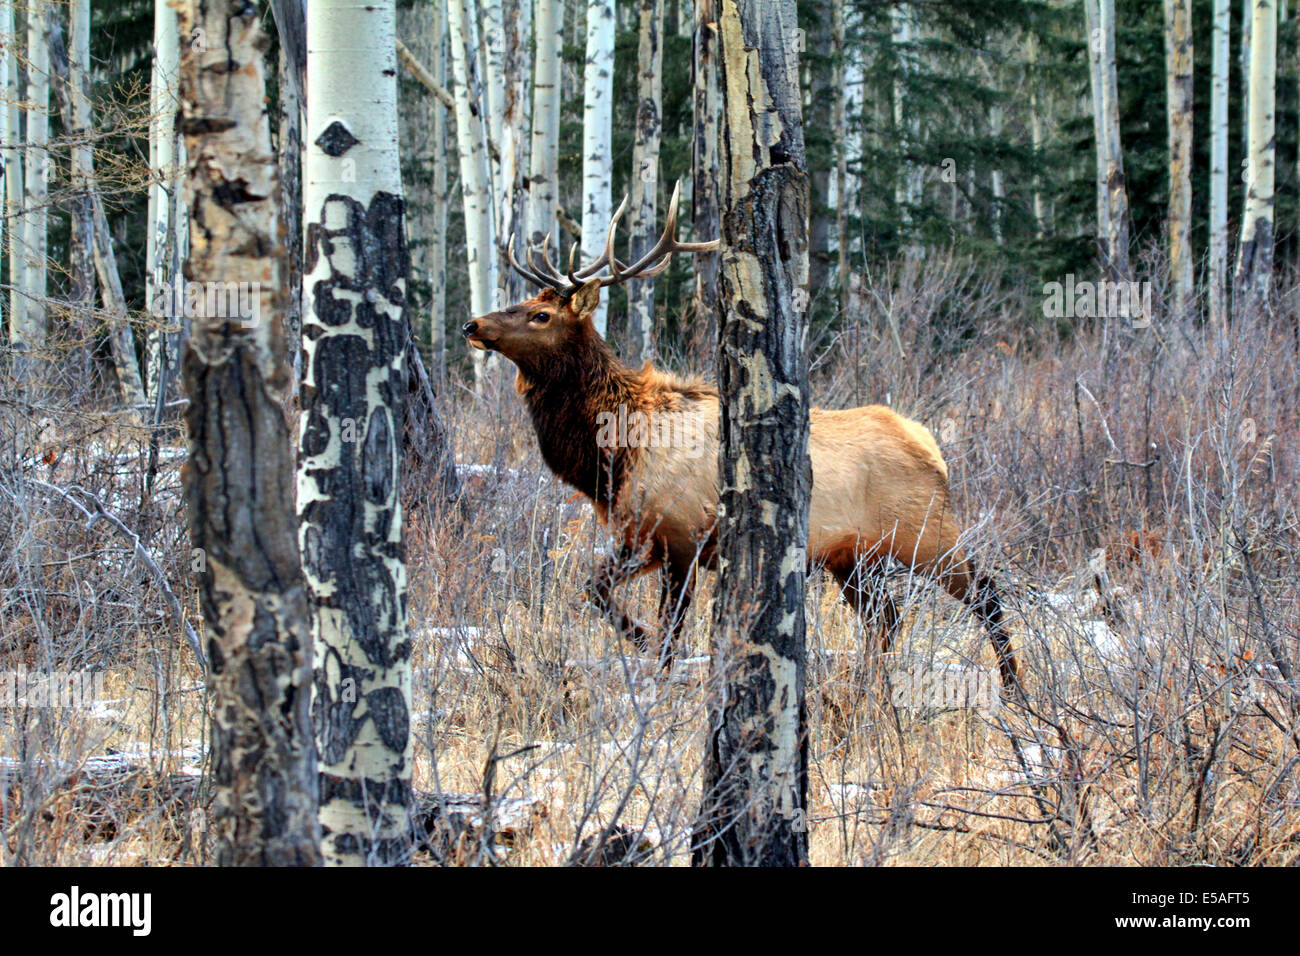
x=544 y=151
x=1218 y=265
x=1178 y=71
x=350 y=464
x=81 y=219
x=160 y=251
x=645 y=174
x=705 y=189
x=121 y=341
x=29 y=324
x=1255 y=251
x=1096 y=47
x=240 y=479
x=597 y=137
x=756 y=762
x=1117 y=231
x=15 y=231
x=475 y=182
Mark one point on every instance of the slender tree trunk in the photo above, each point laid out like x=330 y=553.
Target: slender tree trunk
x=163 y=172
x=437 y=258
x=756 y=763
x=1219 y=164
x=475 y=183
x=1255 y=252
x=1247 y=21
x=13 y=168
x=822 y=134
x=33 y=326
x=1096 y=48
x=841 y=145
x=494 y=80
x=355 y=340
x=706 y=188
x=908 y=191
x=597 y=137
x=239 y=483
x=1036 y=138
x=513 y=193
x=544 y=155
x=120 y=339
x=290 y=21
x=81 y=220
x=1178 y=59
x=1117 y=235
x=645 y=176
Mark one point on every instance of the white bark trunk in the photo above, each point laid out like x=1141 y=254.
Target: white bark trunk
x=597 y=136
x=1178 y=58
x=475 y=182
x=1095 y=48
x=1255 y=254
x=1117 y=237
x=544 y=160
x=645 y=176
x=13 y=173
x=164 y=171
x=1219 y=163
x=908 y=188
x=353 y=394
x=31 y=328
x=437 y=260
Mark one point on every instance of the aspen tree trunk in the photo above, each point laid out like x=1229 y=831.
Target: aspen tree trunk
x=164 y=173
x=544 y=155
x=514 y=153
x=1247 y=20
x=240 y=477
x=355 y=341
x=1036 y=139
x=645 y=176
x=120 y=339
x=1255 y=252
x=475 y=184
x=908 y=190
x=13 y=172
x=597 y=136
x=823 y=132
x=29 y=332
x=756 y=763
x=1117 y=234
x=494 y=80
x=1219 y=164
x=706 y=188
x=437 y=259
x=839 y=127
x=81 y=220
x=291 y=24
x=1096 y=47
x=1178 y=59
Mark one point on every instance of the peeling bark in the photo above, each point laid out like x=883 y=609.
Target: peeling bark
x=645 y=177
x=355 y=340
x=239 y=481
x=756 y=765
x=1178 y=59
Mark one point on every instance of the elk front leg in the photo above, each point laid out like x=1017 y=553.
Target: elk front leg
x=614 y=570
x=674 y=601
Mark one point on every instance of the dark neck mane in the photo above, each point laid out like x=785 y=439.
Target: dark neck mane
x=564 y=395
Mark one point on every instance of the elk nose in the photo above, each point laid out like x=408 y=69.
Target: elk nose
x=469 y=328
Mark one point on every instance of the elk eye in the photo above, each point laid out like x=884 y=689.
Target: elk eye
x=541 y=318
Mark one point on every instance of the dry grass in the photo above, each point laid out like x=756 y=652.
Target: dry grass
x=1135 y=491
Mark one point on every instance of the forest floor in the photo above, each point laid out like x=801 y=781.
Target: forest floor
x=1136 y=495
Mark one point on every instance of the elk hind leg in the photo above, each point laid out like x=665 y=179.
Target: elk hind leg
x=864 y=588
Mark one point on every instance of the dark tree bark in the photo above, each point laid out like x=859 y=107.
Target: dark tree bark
x=756 y=766
x=239 y=482
x=704 y=165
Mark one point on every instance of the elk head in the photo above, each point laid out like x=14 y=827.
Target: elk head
x=560 y=315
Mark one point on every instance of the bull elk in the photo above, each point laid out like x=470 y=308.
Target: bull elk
x=880 y=483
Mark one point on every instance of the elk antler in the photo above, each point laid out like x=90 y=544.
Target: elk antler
x=545 y=275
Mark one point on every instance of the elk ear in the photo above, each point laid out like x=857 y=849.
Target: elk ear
x=587 y=298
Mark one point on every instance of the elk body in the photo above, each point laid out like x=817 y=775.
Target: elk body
x=643 y=447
